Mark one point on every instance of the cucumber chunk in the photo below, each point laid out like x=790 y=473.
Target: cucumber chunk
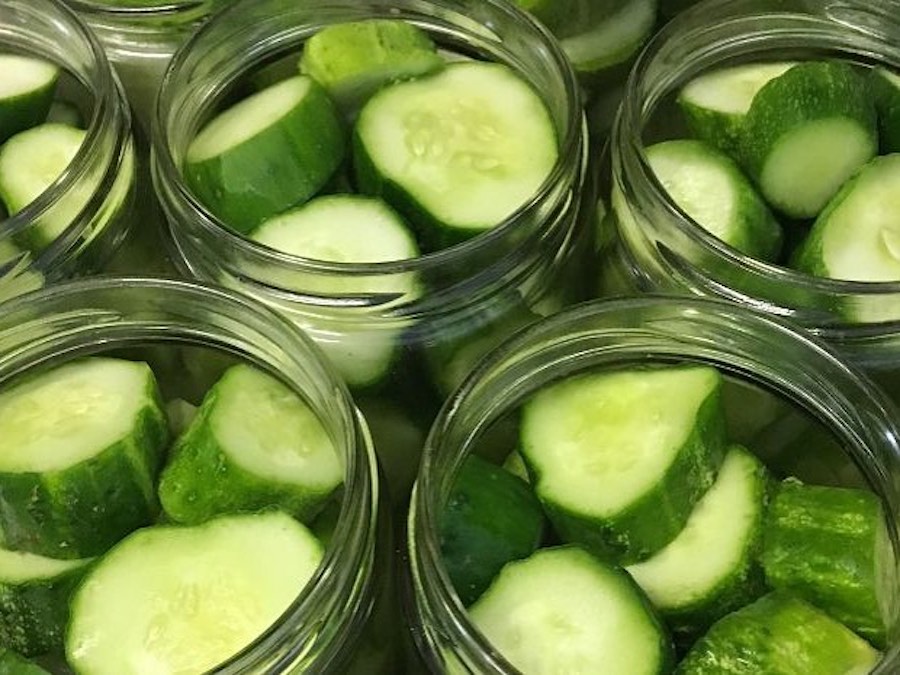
x=270 y=151
x=829 y=546
x=611 y=39
x=715 y=104
x=26 y=92
x=886 y=85
x=352 y=60
x=184 y=599
x=807 y=131
x=14 y=664
x=857 y=237
x=710 y=568
x=30 y=162
x=491 y=518
x=563 y=611
x=456 y=152
x=254 y=443
x=620 y=459
x=708 y=186
x=779 y=634
x=34 y=600
x=80 y=448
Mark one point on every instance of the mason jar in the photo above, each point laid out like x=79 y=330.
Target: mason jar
x=342 y=620
x=657 y=247
x=89 y=206
x=399 y=345
x=788 y=398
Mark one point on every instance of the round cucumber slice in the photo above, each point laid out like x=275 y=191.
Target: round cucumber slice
x=185 y=599
x=456 y=152
x=267 y=153
x=26 y=92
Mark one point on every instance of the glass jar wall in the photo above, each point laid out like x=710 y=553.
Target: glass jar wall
x=787 y=398
x=190 y=335
x=400 y=333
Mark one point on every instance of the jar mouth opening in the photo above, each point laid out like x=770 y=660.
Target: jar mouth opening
x=573 y=145
x=109 y=114
x=79 y=318
x=651 y=80
x=631 y=331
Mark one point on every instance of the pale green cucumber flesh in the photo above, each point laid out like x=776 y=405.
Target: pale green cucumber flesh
x=620 y=459
x=267 y=153
x=461 y=149
x=26 y=92
x=204 y=593
x=710 y=188
x=828 y=546
x=779 y=634
x=563 y=611
x=254 y=443
x=857 y=237
x=612 y=39
x=352 y=60
x=709 y=569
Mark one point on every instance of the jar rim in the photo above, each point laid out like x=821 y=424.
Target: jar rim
x=135 y=9
x=647 y=320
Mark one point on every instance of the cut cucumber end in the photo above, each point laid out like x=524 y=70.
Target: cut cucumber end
x=613 y=39
x=730 y=91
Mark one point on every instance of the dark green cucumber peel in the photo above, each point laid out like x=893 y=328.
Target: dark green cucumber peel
x=28 y=108
x=490 y=519
x=828 y=546
x=778 y=634
x=14 y=664
x=886 y=86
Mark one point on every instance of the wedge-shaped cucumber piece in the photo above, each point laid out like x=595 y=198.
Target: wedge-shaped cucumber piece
x=886 y=85
x=710 y=568
x=715 y=104
x=254 y=443
x=711 y=188
x=26 y=92
x=563 y=611
x=30 y=162
x=14 y=664
x=272 y=150
x=807 y=131
x=779 y=634
x=829 y=546
x=491 y=518
x=80 y=448
x=173 y=599
x=456 y=152
x=612 y=39
x=34 y=600
x=352 y=60
x=620 y=459
x=857 y=237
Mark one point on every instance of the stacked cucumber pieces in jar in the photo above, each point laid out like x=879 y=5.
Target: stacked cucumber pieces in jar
x=628 y=534
x=785 y=165
x=136 y=541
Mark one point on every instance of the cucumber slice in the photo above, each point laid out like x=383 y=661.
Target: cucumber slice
x=708 y=186
x=779 y=634
x=620 y=459
x=271 y=151
x=491 y=518
x=886 y=85
x=808 y=131
x=456 y=152
x=80 y=447
x=829 y=546
x=13 y=664
x=613 y=39
x=857 y=237
x=710 y=568
x=34 y=600
x=352 y=60
x=715 y=104
x=26 y=92
x=563 y=611
x=254 y=443
x=185 y=599
x=30 y=162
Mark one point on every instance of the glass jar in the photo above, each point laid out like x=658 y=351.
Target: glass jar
x=485 y=287
x=90 y=203
x=781 y=387
x=340 y=615
x=659 y=248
